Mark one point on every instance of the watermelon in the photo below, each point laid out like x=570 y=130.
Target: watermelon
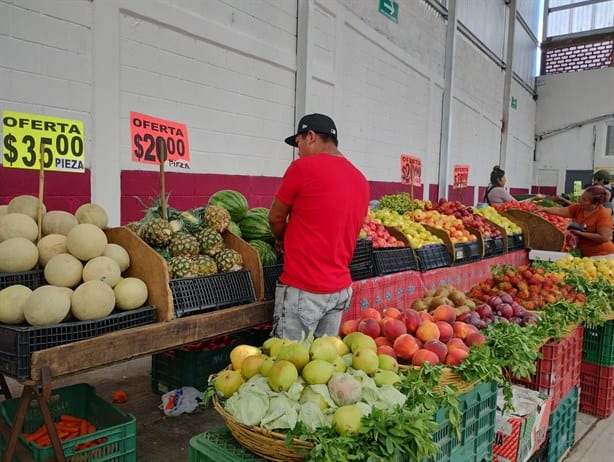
x=233 y=201
x=263 y=210
x=255 y=225
x=234 y=228
x=267 y=254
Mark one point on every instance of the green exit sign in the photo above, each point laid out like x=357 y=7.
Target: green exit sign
x=514 y=103
x=390 y=9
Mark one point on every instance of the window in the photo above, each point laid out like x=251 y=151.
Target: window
x=609 y=142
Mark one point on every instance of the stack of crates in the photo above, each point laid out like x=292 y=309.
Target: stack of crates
x=559 y=369
x=597 y=376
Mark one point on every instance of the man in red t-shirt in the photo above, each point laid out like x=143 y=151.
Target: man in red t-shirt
x=316 y=217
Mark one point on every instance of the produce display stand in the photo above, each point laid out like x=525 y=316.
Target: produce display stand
x=539 y=233
x=464 y=252
x=116 y=347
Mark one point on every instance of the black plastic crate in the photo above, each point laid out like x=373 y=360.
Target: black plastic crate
x=361 y=266
x=433 y=256
x=394 y=260
x=17 y=343
x=271 y=275
x=515 y=242
x=32 y=279
x=493 y=246
x=208 y=293
x=467 y=252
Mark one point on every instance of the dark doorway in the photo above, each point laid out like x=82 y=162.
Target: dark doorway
x=586 y=176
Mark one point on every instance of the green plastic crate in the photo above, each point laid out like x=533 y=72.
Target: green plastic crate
x=562 y=425
x=79 y=400
x=219 y=445
x=599 y=344
x=477 y=426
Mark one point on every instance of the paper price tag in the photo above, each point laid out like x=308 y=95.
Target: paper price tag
x=61 y=140
x=461 y=176
x=411 y=170
x=154 y=138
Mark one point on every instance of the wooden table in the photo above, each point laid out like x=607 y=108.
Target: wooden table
x=116 y=347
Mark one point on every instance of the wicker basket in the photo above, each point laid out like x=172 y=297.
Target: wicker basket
x=447 y=377
x=268 y=444
x=607 y=316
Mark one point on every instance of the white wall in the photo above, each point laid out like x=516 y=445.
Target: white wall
x=228 y=70
x=565 y=100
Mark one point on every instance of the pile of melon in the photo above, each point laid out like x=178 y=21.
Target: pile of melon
x=83 y=270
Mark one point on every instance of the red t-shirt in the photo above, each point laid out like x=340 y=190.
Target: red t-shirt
x=600 y=218
x=328 y=199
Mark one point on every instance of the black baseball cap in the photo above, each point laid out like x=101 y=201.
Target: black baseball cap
x=318 y=123
x=602 y=175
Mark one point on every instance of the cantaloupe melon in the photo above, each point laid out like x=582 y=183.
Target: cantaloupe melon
x=64 y=270
x=69 y=292
x=93 y=214
x=4 y=209
x=58 y=222
x=17 y=254
x=119 y=254
x=92 y=300
x=18 y=225
x=86 y=241
x=46 y=305
x=25 y=204
x=103 y=269
x=12 y=299
x=130 y=293
x=49 y=246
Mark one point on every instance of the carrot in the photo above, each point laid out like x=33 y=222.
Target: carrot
x=70 y=418
x=91 y=428
x=40 y=431
x=43 y=441
x=83 y=428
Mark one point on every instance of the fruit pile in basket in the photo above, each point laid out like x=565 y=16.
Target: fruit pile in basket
x=590 y=268
x=467 y=216
x=449 y=223
x=492 y=215
x=532 y=287
x=373 y=229
x=417 y=234
x=560 y=222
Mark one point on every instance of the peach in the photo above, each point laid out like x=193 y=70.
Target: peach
x=444 y=313
x=427 y=331
x=386 y=350
x=424 y=356
x=371 y=313
x=412 y=320
x=426 y=316
x=349 y=326
x=460 y=329
x=392 y=312
x=446 y=332
x=393 y=328
x=475 y=338
x=379 y=341
x=437 y=347
x=457 y=344
x=455 y=356
x=405 y=346
x=370 y=327
x=471 y=329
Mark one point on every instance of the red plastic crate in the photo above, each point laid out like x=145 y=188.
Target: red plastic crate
x=559 y=369
x=597 y=390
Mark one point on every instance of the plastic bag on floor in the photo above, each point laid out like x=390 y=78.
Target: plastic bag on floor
x=184 y=399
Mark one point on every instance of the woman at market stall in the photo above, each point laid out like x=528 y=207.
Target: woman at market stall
x=496 y=192
x=595 y=239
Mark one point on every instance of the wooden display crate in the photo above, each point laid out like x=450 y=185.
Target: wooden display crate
x=539 y=233
x=452 y=250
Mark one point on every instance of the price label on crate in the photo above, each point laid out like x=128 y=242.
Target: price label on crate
x=460 y=252
x=149 y=137
x=26 y=136
x=461 y=176
x=411 y=170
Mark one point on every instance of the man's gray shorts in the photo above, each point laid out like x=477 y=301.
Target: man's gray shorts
x=298 y=312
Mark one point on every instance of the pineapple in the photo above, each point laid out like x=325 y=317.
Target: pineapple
x=228 y=260
x=204 y=265
x=156 y=232
x=191 y=223
x=181 y=267
x=184 y=244
x=216 y=217
x=135 y=227
x=211 y=242
x=164 y=251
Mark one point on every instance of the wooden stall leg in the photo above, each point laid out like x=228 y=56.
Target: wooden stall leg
x=4 y=388
x=20 y=417
x=43 y=404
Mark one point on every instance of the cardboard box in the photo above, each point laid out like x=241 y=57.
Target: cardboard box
x=520 y=433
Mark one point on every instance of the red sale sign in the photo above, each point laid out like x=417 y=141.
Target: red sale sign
x=157 y=140
x=411 y=170
x=461 y=176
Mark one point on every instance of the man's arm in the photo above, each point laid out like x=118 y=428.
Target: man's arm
x=278 y=215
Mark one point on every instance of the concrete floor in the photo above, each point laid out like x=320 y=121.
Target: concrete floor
x=166 y=439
